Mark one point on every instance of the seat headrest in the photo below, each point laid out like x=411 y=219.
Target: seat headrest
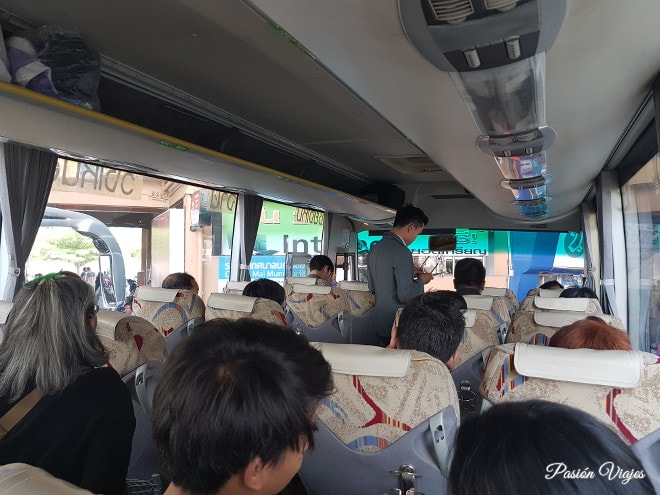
x=470 y=316
x=550 y=292
x=5 y=308
x=352 y=285
x=106 y=322
x=236 y=285
x=558 y=319
x=562 y=303
x=312 y=289
x=368 y=360
x=621 y=369
x=301 y=280
x=479 y=302
x=159 y=294
x=235 y=302
x=494 y=291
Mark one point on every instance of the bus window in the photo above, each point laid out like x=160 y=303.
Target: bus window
x=641 y=204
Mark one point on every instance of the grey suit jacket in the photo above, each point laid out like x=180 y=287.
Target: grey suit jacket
x=391 y=273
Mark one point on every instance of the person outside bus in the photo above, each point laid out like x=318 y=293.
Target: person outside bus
x=393 y=278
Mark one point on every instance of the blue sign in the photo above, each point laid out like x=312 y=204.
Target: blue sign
x=260 y=267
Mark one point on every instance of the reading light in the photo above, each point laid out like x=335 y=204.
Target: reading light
x=496 y=59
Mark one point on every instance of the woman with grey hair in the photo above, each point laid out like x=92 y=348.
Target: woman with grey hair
x=81 y=428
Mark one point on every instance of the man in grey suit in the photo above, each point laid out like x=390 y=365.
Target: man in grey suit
x=392 y=276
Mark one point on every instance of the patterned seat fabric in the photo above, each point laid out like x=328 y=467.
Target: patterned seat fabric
x=360 y=300
x=167 y=309
x=631 y=412
x=315 y=305
x=480 y=334
x=369 y=418
x=239 y=306
x=129 y=340
x=538 y=327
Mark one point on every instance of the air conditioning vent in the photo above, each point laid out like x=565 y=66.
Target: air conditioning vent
x=451 y=11
x=501 y=5
x=414 y=164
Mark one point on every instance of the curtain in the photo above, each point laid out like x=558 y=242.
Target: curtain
x=26 y=175
x=250 y=213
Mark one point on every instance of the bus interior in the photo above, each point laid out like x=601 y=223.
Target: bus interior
x=234 y=140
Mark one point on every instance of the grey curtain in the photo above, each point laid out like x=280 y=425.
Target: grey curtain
x=26 y=175
x=250 y=212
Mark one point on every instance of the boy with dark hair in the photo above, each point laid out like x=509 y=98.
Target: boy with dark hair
x=234 y=409
x=266 y=289
x=393 y=278
x=321 y=268
x=469 y=277
x=180 y=280
x=432 y=323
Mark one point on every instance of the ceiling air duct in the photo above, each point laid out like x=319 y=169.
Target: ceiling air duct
x=494 y=51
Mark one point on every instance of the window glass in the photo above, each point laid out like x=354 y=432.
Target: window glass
x=285 y=233
x=517 y=260
x=119 y=228
x=641 y=205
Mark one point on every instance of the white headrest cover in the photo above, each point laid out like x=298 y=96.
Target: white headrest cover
x=557 y=319
x=234 y=302
x=106 y=322
x=301 y=280
x=368 y=360
x=550 y=292
x=159 y=294
x=470 y=317
x=351 y=285
x=479 y=302
x=612 y=368
x=494 y=291
x=312 y=289
x=562 y=303
x=236 y=285
x=5 y=308
x=23 y=479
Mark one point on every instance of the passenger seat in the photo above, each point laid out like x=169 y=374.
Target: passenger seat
x=173 y=312
x=391 y=410
x=361 y=304
x=320 y=312
x=620 y=388
x=235 y=306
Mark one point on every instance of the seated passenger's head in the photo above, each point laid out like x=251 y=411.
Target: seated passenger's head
x=584 y=292
x=591 y=333
x=267 y=289
x=469 y=276
x=552 y=285
x=180 y=280
x=234 y=409
x=409 y=222
x=540 y=447
x=322 y=267
x=432 y=322
x=49 y=335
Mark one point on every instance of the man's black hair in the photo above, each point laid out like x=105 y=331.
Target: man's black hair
x=433 y=322
x=532 y=439
x=265 y=288
x=179 y=280
x=469 y=272
x=581 y=292
x=231 y=392
x=320 y=261
x=410 y=214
